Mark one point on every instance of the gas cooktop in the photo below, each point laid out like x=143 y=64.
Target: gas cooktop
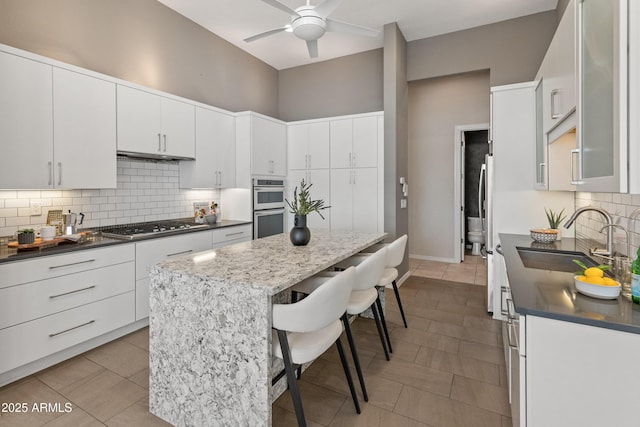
x=145 y=229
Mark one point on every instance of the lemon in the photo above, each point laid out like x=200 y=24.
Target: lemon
x=609 y=282
x=593 y=272
x=581 y=278
x=594 y=280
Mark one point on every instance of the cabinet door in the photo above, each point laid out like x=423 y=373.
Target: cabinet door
x=602 y=112
x=341 y=199
x=139 y=129
x=26 y=123
x=541 y=163
x=84 y=131
x=365 y=142
x=268 y=147
x=298 y=146
x=225 y=156
x=178 y=128
x=319 y=145
x=341 y=143
x=365 y=199
x=320 y=190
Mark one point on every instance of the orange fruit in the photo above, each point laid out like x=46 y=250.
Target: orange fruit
x=594 y=280
x=593 y=272
x=609 y=282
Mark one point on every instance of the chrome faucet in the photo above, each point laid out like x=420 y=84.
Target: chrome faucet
x=608 y=253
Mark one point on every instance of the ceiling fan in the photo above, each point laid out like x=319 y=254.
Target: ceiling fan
x=311 y=22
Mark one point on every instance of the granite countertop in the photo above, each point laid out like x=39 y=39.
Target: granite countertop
x=272 y=263
x=552 y=294
x=94 y=241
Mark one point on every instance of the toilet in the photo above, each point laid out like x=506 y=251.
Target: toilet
x=475 y=234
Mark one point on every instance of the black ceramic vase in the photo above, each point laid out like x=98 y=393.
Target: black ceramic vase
x=300 y=233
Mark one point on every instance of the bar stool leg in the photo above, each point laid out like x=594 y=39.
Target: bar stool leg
x=291 y=378
x=395 y=290
x=376 y=316
x=384 y=323
x=347 y=373
x=354 y=354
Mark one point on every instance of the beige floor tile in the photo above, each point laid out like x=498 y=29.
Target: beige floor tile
x=106 y=395
x=283 y=418
x=372 y=416
x=425 y=272
x=431 y=314
x=507 y=421
x=418 y=376
x=486 y=323
x=460 y=365
x=487 y=353
x=75 y=418
x=141 y=378
x=139 y=338
x=481 y=394
x=136 y=415
x=121 y=357
x=31 y=392
x=319 y=403
x=459 y=276
x=69 y=372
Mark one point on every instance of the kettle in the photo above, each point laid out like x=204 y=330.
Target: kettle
x=69 y=222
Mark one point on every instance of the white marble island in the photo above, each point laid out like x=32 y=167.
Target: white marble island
x=210 y=325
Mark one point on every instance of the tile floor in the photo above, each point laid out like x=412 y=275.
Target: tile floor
x=447 y=370
x=472 y=270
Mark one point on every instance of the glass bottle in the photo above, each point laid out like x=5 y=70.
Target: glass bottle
x=635 y=279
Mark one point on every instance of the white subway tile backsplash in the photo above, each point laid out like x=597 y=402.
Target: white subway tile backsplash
x=147 y=191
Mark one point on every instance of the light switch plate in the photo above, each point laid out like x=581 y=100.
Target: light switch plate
x=36 y=209
x=403 y=203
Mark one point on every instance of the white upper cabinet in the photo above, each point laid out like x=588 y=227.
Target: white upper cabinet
x=268 y=147
x=154 y=125
x=602 y=131
x=215 y=164
x=308 y=146
x=354 y=142
x=558 y=71
x=26 y=123
x=57 y=126
x=84 y=131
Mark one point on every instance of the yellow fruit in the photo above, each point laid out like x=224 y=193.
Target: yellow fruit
x=594 y=280
x=581 y=278
x=609 y=282
x=593 y=272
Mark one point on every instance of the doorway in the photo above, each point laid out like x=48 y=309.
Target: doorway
x=472 y=141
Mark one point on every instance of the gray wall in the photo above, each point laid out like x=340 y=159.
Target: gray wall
x=145 y=42
x=347 y=85
x=512 y=50
x=396 y=220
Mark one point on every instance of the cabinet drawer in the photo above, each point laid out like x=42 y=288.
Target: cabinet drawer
x=229 y=235
x=153 y=251
x=19 y=304
x=33 y=340
x=43 y=268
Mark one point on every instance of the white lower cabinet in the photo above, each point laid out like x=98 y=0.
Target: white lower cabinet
x=232 y=235
x=354 y=199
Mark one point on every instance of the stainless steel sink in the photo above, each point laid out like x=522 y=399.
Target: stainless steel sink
x=553 y=260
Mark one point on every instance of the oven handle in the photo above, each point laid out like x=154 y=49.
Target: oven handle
x=268 y=212
x=270 y=189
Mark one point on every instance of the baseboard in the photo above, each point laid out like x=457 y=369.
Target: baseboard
x=432 y=258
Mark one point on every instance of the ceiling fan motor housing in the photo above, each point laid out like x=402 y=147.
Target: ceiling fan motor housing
x=308 y=25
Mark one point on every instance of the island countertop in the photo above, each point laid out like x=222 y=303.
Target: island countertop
x=273 y=263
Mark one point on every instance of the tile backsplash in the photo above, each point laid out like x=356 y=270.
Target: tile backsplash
x=148 y=190
x=625 y=210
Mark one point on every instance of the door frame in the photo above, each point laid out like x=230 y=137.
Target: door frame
x=458 y=187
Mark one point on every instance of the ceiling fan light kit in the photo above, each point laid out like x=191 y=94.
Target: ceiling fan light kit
x=309 y=23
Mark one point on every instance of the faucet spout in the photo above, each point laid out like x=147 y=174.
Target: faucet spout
x=608 y=219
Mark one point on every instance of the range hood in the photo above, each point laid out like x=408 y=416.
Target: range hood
x=151 y=156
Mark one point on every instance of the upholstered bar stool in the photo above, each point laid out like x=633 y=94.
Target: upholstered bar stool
x=362 y=297
x=304 y=330
x=395 y=255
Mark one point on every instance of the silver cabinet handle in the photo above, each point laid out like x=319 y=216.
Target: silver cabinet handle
x=165 y=142
x=180 y=253
x=71 y=264
x=354 y=177
x=71 y=329
x=575 y=155
x=542 y=177
x=354 y=159
x=503 y=310
x=50 y=173
x=59 y=173
x=350 y=161
x=554 y=115
x=309 y=155
x=159 y=142
x=72 y=292
x=234 y=234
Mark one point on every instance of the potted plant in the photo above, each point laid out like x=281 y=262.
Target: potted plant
x=555 y=219
x=301 y=206
x=26 y=235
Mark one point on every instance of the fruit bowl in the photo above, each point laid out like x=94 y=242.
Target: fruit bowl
x=544 y=235
x=597 y=291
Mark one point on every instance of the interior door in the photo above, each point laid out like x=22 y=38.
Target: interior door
x=463 y=215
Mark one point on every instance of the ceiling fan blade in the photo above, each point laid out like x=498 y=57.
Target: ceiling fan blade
x=265 y=34
x=282 y=7
x=327 y=7
x=312 y=46
x=345 y=27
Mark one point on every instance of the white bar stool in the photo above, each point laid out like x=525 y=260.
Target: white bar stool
x=306 y=329
x=363 y=296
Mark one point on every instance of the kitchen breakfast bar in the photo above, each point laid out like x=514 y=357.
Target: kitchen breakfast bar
x=210 y=325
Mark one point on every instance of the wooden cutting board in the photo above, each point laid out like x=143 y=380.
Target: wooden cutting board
x=41 y=244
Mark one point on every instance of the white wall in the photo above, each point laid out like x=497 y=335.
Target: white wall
x=147 y=191
x=436 y=106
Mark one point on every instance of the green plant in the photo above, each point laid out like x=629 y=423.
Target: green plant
x=26 y=231
x=302 y=203
x=554 y=218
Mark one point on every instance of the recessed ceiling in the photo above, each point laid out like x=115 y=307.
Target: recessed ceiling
x=236 y=20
